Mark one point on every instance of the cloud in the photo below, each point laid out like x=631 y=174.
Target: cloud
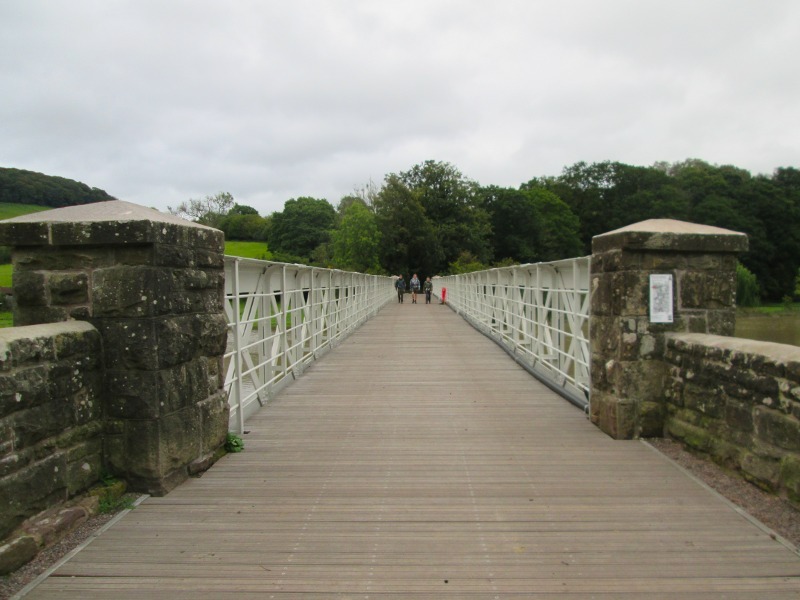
x=159 y=102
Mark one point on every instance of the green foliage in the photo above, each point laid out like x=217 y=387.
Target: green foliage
x=609 y=195
x=606 y=196
x=356 y=240
x=531 y=224
x=505 y=262
x=797 y=285
x=423 y=219
x=111 y=494
x=234 y=443
x=748 y=292
x=109 y=504
x=516 y=223
x=559 y=234
x=466 y=263
x=6 y=319
x=242 y=209
x=409 y=242
x=454 y=212
x=304 y=224
x=322 y=256
x=285 y=257
x=28 y=187
x=243 y=226
x=257 y=250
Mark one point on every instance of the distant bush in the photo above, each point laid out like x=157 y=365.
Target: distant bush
x=748 y=292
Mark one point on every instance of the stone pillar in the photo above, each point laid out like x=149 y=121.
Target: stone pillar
x=628 y=375
x=152 y=284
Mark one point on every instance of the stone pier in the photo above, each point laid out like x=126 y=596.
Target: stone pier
x=152 y=285
x=695 y=274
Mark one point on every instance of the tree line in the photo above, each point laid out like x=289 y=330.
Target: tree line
x=431 y=219
x=18 y=186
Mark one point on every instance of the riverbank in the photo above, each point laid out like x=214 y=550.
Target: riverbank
x=779 y=323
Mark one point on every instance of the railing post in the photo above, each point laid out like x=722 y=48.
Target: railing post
x=628 y=375
x=282 y=325
x=237 y=345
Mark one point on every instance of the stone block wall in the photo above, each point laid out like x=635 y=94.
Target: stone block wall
x=51 y=417
x=738 y=401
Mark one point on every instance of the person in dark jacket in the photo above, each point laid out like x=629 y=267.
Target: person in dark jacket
x=400 y=284
x=427 y=287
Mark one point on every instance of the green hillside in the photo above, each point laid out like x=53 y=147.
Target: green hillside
x=29 y=187
x=257 y=250
x=9 y=210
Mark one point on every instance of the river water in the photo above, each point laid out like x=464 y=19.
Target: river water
x=783 y=328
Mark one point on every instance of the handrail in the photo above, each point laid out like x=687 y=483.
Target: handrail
x=281 y=317
x=539 y=313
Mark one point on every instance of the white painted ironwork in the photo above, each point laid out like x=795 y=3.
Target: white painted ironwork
x=538 y=312
x=281 y=317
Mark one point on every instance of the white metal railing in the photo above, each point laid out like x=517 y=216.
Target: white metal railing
x=281 y=316
x=538 y=312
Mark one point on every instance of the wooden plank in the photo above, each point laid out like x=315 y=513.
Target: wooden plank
x=418 y=461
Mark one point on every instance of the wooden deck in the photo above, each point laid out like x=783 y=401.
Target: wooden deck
x=417 y=460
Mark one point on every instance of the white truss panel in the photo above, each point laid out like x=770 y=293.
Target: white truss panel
x=538 y=312
x=281 y=316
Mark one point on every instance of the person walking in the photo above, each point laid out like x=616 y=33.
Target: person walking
x=400 y=284
x=428 y=289
x=414 y=288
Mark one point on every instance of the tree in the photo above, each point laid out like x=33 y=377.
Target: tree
x=241 y=226
x=242 y=209
x=209 y=210
x=609 y=195
x=452 y=206
x=304 y=224
x=408 y=242
x=466 y=263
x=559 y=234
x=356 y=241
x=531 y=225
x=747 y=289
x=772 y=222
x=515 y=223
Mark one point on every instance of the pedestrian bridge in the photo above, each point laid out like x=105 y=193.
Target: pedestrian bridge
x=418 y=460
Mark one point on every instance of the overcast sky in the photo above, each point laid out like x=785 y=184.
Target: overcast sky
x=160 y=101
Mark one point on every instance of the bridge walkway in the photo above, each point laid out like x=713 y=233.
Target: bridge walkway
x=417 y=460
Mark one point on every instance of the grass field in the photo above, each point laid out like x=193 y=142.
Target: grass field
x=5 y=275
x=772 y=309
x=257 y=250
x=9 y=210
